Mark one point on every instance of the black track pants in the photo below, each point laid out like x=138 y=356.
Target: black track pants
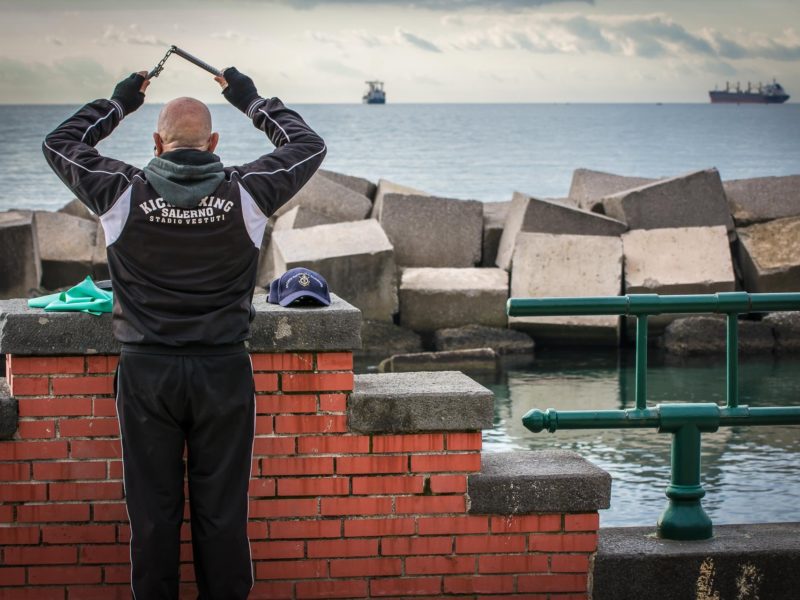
x=203 y=402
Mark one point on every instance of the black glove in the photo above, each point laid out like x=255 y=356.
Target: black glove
x=241 y=91
x=127 y=93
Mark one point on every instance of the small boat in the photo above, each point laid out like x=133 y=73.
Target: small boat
x=375 y=93
x=772 y=93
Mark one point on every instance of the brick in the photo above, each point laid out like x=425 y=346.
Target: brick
x=40 y=555
x=16 y=536
x=264 y=425
x=120 y=574
x=6 y=514
x=311 y=424
x=398 y=484
x=488 y=584
x=20 y=471
x=419 y=505
x=448 y=484
x=582 y=522
x=115 y=469
x=431 y=463
x=355 y=506
x=124 y=534
x=317 y=382
x=55 y=407
x=486 y=544
x=286 y=403
x=86 y=491
x=342 y=548
x=79 y=534
x=292 y=569
x=52 y=513
x=29 y=386
x=266 y=382
x=262 y=590
x=283 y=362
x=88 y=428
x=266 y=446
x=37 y=593
x=523 y=563
x=335 y=361
x=431 y=565
x=77 y=386
x=456 y=525
x=63 y=575
x=33 y=430
x=569 y=563
x=525 y=523
x=23 y=492
x=343 y=588
x=48 y=471
x=18 y=450
x=314 y=486
x=333 y=402
x=273 y=550
x=366 y=567
x=420 y=442
x=101 y=364
x=327 y=444
x=260 y=488
x=104 y=407
x=297 y=466
x=105 y=592
x=407 y=586
x=22 y=365
x=416 y=546
x=563 y=543
x=109 y=511
x=372 y=465
x=95 y=449
x=378 y=527
x=11 y=576
x=305 y=529
x=283 y=508
x=464 y=441
x=552 y=583
x=104 y=554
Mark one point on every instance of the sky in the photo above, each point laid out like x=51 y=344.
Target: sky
x=319 y=51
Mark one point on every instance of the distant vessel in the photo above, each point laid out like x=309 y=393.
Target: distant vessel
x=772 y=93
x=375 y=93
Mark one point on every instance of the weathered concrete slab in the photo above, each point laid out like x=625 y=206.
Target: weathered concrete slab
x=494 y=219
x=266 y=260
x=547 y=265
x=356 y=259
x=740 y=562
x=301 y=216
x=100 y=256
x=529 y=214
x=408 y=402
x=544 y=481
x=31 y=331
x=682 y=260
x=786 y=329
x=66 y=246
x=76 y=208
x=382 y=338
x=9 y=411
x=707 y=335
x=769 y=256
x=432 y=299
x=323 y=195
x=358 y=184
x=693 y=200
x=763 y=198
x=502 y=341
x=470 y=361
x=589 y=187
x=427 y=231
x=388 y=187
x=19 y=254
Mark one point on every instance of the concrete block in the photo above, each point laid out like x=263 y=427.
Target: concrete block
x=763 y=198
x=547 y=265
x=382 y=338
x=325 y=196
x=684 y=260
x=355 y=258
x=428 y=231
x=707 y=335
x=693 y=200
x=494 y=219
x=66 y=248
x=432 y=299
x=357 y=184
x=531 y=215
x=544 y=481
x=468 y=361
x=786 y=329
x=769 y=255
x=302 y=216
x=502 y=341
x=76 y=208
x=9 y=411
x=409 y=402
x=589 y=187
x=100 y=257
x=388 y=187
x=19 y=254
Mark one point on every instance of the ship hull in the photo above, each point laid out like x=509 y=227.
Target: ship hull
x=374 y=100
x=745 y=98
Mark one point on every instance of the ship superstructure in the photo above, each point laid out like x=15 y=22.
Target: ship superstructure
x=375 y=94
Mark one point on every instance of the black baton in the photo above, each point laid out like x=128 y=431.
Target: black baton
x=182 y=53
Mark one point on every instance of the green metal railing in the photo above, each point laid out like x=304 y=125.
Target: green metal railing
x=684 y=517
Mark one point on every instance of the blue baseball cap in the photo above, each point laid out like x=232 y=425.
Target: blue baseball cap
x=299 y=285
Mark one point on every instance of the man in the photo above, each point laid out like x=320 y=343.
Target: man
x=183 y=238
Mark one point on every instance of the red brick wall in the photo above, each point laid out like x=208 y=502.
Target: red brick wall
x=332 y=514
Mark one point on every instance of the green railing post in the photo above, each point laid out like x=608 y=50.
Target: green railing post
x=732 y=352
x=641 y=362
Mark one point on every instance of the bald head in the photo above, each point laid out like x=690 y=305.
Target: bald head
x=184 y=123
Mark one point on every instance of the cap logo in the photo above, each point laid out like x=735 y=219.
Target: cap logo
x=304 y=280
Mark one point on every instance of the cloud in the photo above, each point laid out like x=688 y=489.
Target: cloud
x=330 y=66
x=357 y=37
x=50 y=39
x=233 y=36
x=448 y=5
x=130 y=35
x=71 y=78
x=417 y=41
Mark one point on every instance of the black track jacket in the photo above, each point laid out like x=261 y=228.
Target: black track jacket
x=183 y=276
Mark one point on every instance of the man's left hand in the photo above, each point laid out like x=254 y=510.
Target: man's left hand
x=129 y=92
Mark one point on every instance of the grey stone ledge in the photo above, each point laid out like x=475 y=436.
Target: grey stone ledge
x=420 y=401
x=31 y=331
x=543 y=481
x=9 y=412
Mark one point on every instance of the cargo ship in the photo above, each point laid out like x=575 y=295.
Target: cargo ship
x=772 y=93
x=375 y=93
